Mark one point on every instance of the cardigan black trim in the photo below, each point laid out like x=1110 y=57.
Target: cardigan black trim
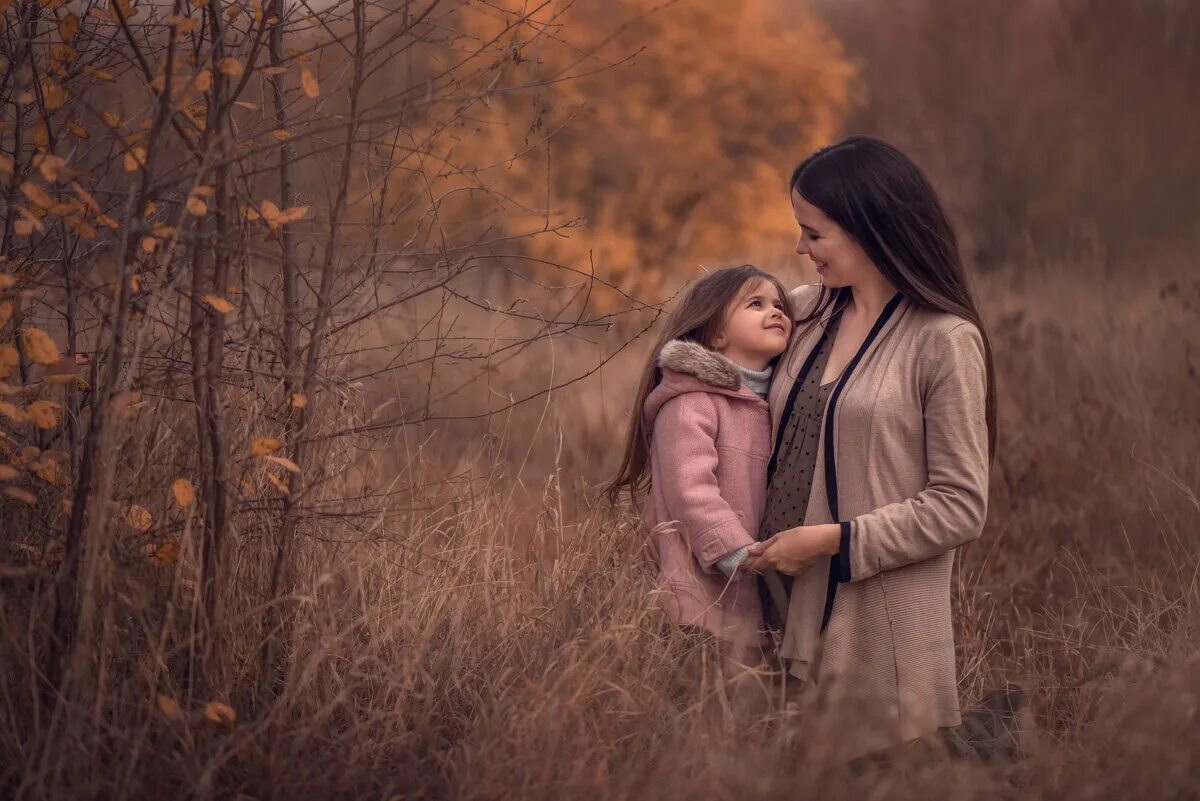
x=836 y=570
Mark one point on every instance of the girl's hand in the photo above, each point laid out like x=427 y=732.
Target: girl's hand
x=793 y=551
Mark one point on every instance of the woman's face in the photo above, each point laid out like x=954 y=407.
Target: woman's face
x=839 y=259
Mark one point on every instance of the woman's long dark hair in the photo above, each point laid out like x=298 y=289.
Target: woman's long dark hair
x=882 y=199
x=698 y=318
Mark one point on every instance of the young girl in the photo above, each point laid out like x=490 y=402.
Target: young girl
x=700 y=443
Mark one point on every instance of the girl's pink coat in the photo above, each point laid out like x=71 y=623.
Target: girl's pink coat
x=710 y=446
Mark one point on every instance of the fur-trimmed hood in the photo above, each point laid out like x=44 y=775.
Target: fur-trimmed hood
x=692 y=358
x=690 y=367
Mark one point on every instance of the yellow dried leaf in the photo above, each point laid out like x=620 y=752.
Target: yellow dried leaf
x=20 y=495
x=298 y=400
x=284 y=462
x=230 y=66
x=169 y=708
x=68 y=27
x=135 y=158
x=203 y=191
x=184 y=492
x=149 y=244
x=38 y=346
x=8 y=472
x=217 y=712
x=13 y=412
x=250 y=213
x=293 y=214
x=139 y=517
x=282 y=134
x=44 y=413
x=197 y=206
x=106 y=221
x=218 y=303
x=265 y=445
x=308 y=82
x=111 y=119
x=151 y=207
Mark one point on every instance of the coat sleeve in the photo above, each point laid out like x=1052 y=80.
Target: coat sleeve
x=684 y=454
x=951 y=510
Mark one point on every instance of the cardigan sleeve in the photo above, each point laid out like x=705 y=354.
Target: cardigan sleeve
x=952 y=508
x=684 y=452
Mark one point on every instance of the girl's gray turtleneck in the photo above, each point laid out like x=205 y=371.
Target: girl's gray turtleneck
x=759 y=381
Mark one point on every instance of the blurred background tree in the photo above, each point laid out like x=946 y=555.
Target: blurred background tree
x=674 y=138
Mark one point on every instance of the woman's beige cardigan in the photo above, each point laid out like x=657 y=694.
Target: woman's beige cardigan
x=908 y=478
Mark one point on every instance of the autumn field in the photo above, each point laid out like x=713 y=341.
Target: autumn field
x=317 y=330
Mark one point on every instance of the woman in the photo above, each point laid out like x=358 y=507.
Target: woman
x=883 y=424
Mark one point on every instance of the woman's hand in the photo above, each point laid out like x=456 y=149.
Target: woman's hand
x=791 y=552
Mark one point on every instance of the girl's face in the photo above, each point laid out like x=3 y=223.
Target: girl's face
x=839 y=259
x=756 y=328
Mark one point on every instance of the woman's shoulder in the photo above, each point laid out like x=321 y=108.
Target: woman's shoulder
x=943 y=335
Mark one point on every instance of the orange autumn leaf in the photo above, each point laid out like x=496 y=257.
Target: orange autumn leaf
x=308 y=81
x=184 y=492
x=284 y=462
x=9 y=359
x=169 y=708
x=217 y=712
x=166 y=552
x=265 y=445
x=68 y=27
x=139 y=517
x=54 y=95
x=13 y=412
x=38 y=346
x=20 y=495
x=37 y=195
x=44 y=413
x=218 y=303
x=230 y=66
x=197 y=206
x=8 y=472
x=135 y=158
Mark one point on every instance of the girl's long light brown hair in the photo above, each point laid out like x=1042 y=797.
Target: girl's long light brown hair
x=698 y=318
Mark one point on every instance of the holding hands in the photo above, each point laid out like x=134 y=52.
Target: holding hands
x=793 y=551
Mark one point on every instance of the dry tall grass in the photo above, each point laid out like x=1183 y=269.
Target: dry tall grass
x=419 y=611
